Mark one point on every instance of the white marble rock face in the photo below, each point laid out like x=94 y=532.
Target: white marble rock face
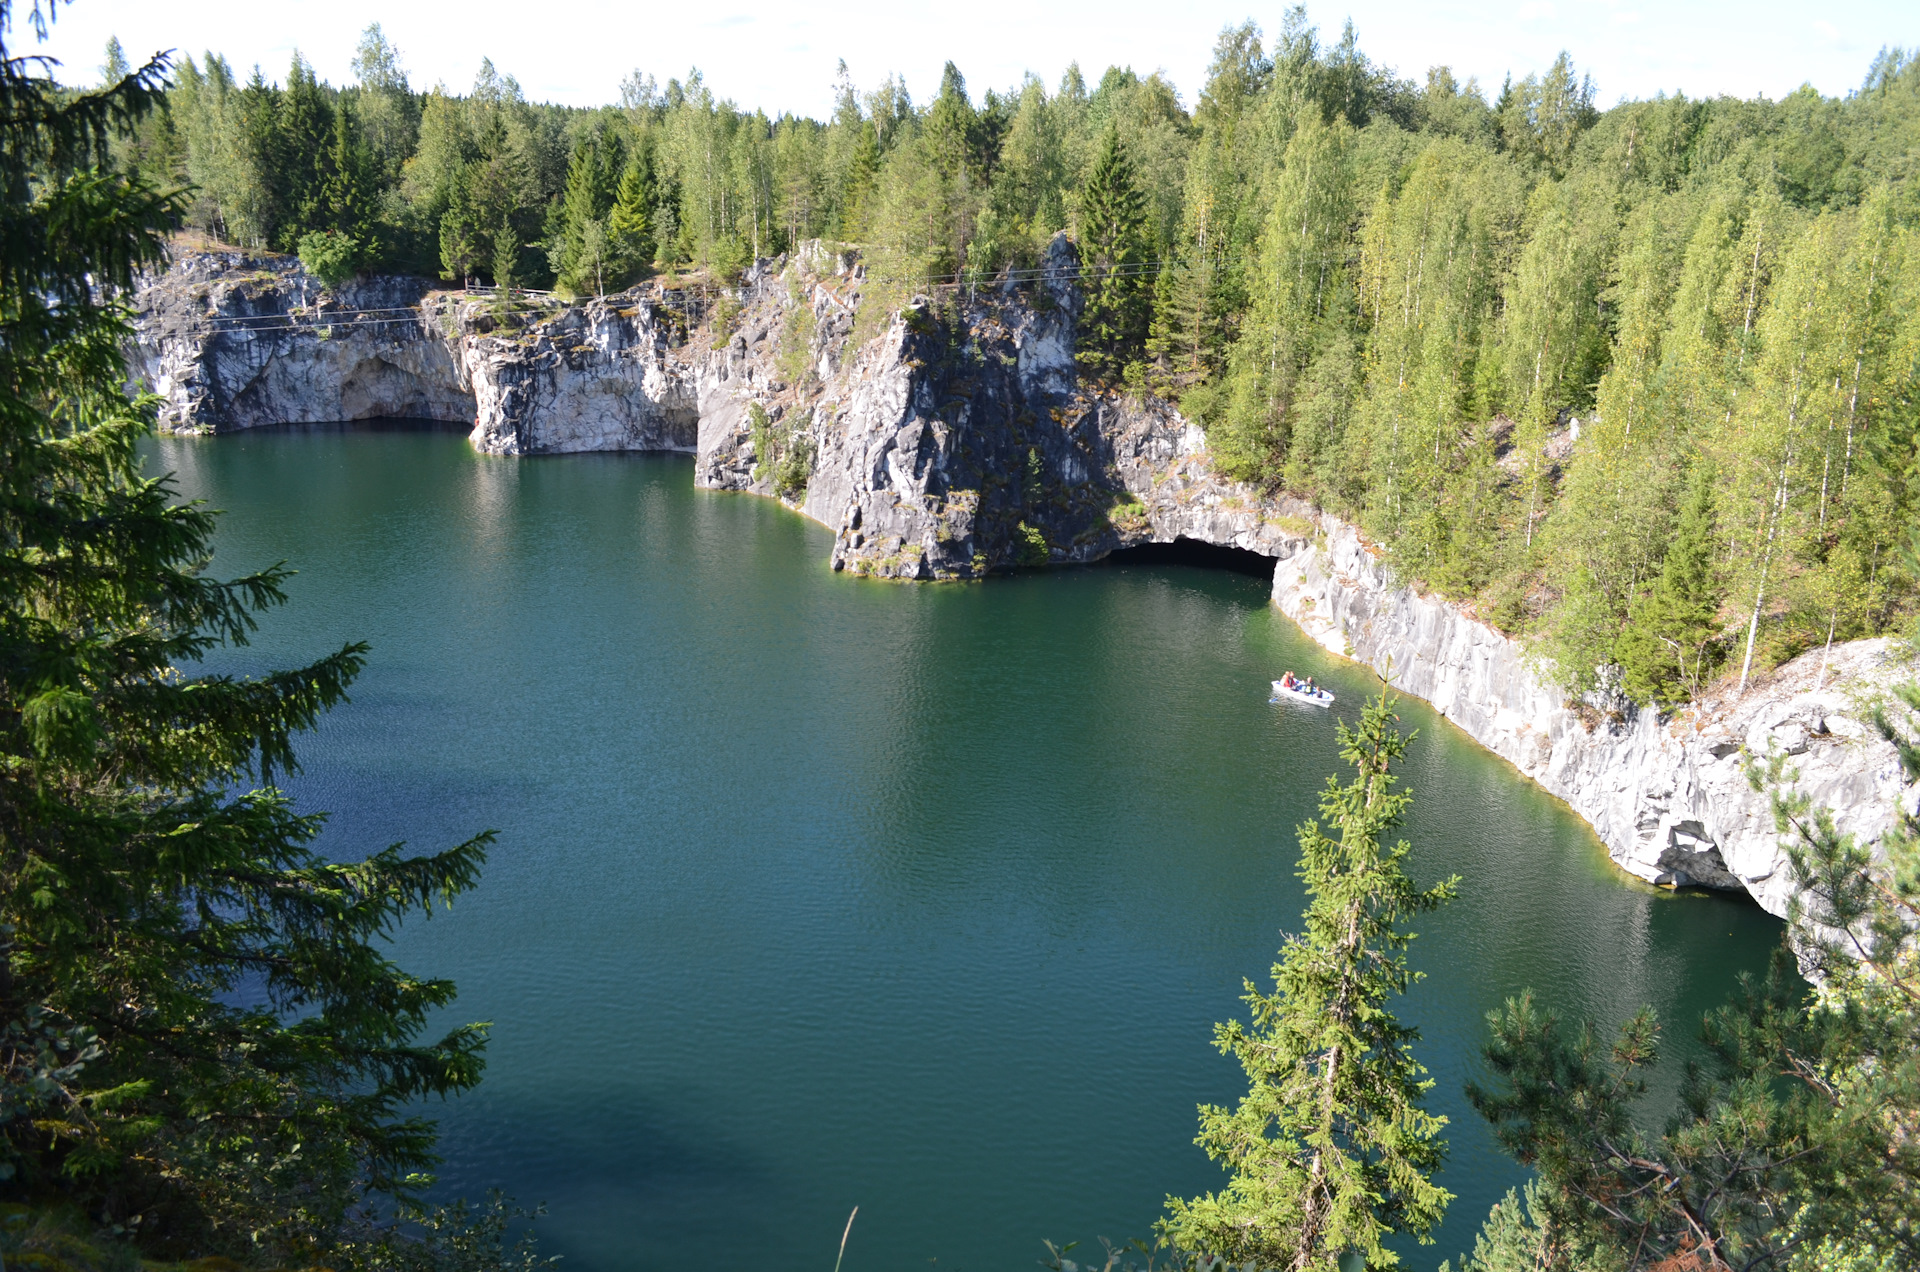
x=1670 y=798
x=957 y=437
x=232 y=340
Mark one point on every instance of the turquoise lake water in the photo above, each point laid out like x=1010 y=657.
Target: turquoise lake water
x=814 y=892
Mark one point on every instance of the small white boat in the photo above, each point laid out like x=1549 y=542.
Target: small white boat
x=1300 y=693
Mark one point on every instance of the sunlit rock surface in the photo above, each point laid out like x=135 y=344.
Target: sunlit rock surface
x=233 y=340
x=1670 y=798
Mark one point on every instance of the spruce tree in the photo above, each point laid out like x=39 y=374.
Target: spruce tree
x=853 y=215
x=581 y=255
x=1664 y=649
x=347 y=201
x=1331 y=1149
x=630 y=223
x=506 y=257
x=459 y=238
x=953 y=130
x=1185 y=338
x=1114 y=264
x=301 y=139
x=200 y=1029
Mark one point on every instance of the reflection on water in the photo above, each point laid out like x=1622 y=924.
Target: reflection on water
x=816 y=891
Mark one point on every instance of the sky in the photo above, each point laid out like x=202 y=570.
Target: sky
x=782 y=57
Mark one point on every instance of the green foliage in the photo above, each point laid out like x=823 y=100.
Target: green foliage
x=460 y=1237
x=1518 y=1236
x=797 y=329
x=1292 y=329
x=1331 y=1149
x=782 y=457
x=199 y=1023
x=1030 y=547
x=795 y=469
x=330 y=256
x=1664 y=650
x=630 y=221
x=584 y=256
x=1113 y=262
x=1794 y=1146
x=506 y=257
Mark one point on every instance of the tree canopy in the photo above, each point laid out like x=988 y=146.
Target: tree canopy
x=201 y=1038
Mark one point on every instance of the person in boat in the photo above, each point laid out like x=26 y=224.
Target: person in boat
x=1288 y=682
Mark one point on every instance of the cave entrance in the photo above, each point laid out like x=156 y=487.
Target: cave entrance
x=1184 y=551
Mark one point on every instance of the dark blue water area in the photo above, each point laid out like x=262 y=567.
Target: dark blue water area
x=813 y=892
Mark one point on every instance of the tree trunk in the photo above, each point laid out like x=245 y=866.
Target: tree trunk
x=1833 y=620
x=1753 y=624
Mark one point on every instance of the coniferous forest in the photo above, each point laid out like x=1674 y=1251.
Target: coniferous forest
x=1639 y=383
x=1642 y=384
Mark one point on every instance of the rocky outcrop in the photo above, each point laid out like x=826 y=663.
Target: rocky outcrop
x=961 y=439
x=1669 y=797
x=552 y=379
x=954 y=437
x=234 y=340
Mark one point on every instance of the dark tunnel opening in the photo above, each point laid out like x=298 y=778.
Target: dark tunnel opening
x=1184 y=551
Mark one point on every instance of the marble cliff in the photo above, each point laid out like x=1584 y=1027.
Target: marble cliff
x=948 y=438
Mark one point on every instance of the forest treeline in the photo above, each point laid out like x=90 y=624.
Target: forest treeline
x=207 y=1053
x=1638 y=383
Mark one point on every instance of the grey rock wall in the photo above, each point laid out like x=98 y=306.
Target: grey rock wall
x=961 y=438
x=233 y=340
x=1669 y=798
x=599 y=377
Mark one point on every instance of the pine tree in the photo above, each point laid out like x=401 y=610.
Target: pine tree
x=1791 y=1146
x=1114 y=264
x=1664 y=651
x=1331 y=1149
x=200 y=1029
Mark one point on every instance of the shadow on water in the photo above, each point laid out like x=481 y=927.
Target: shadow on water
x=375 y=424
x=1185 y=551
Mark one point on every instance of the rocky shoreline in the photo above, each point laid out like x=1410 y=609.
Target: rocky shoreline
x=1669 y=797
x=954 y=438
